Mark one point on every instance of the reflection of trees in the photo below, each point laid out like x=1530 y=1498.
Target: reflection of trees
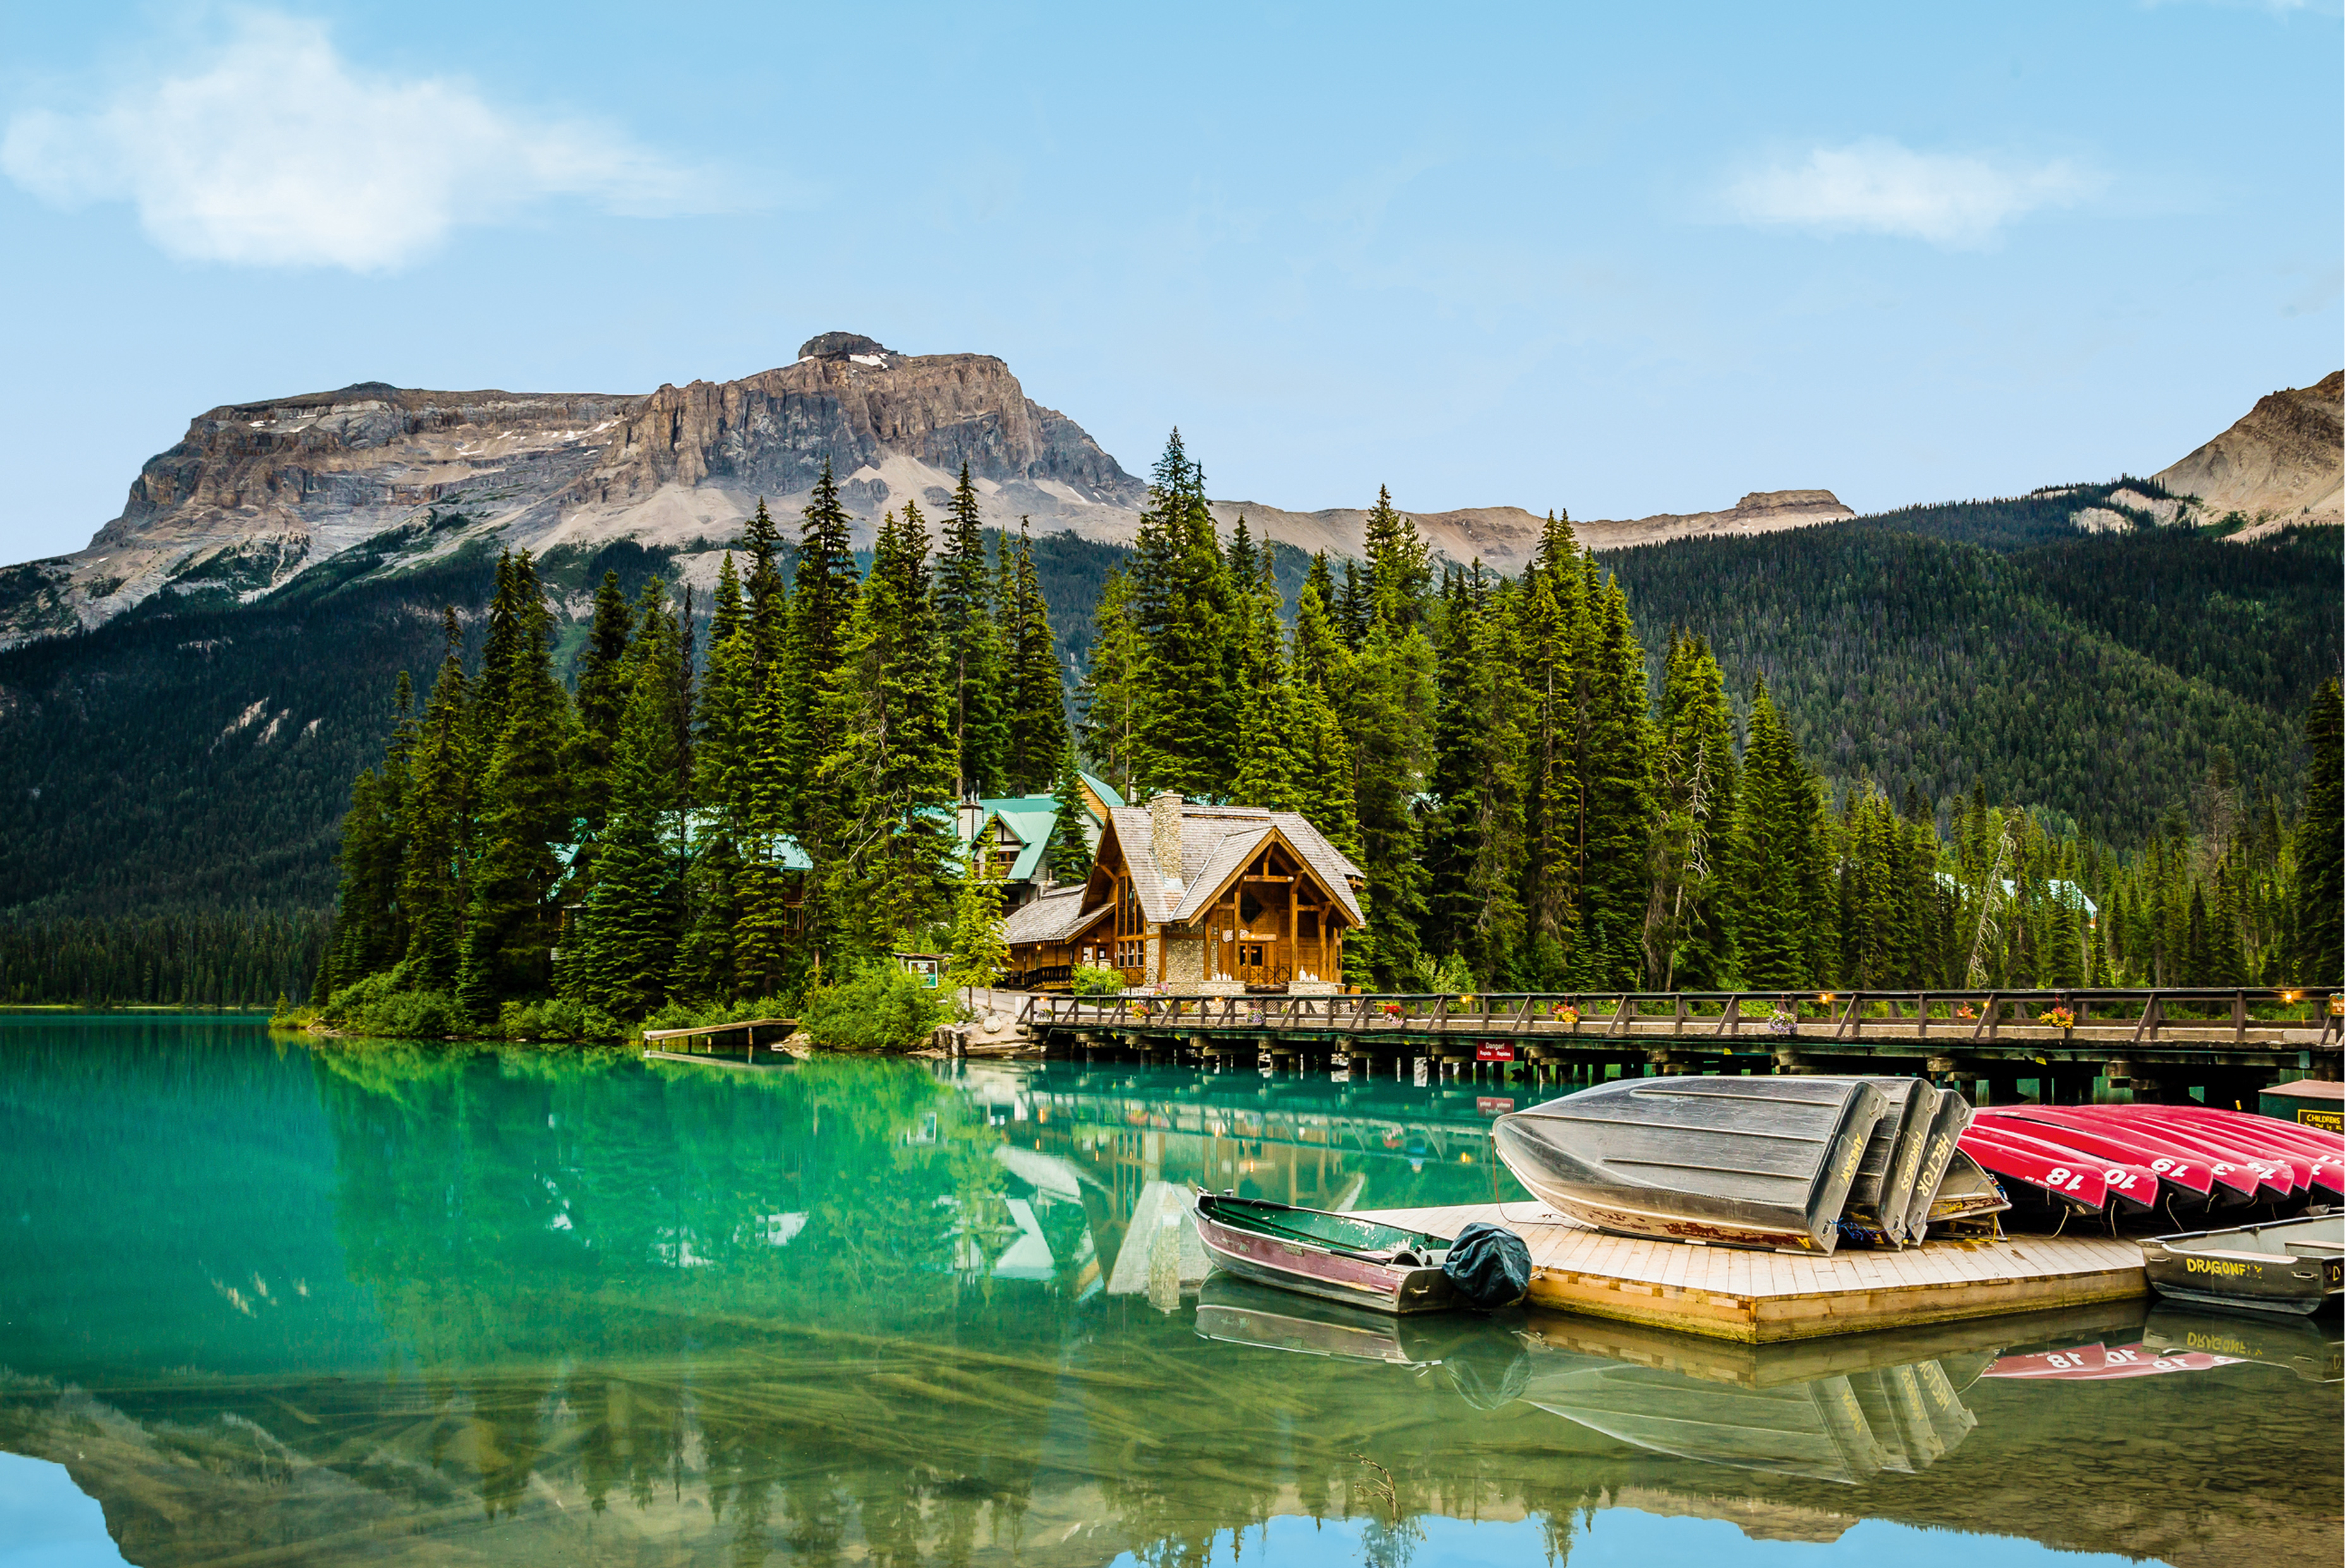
x=654 y=1379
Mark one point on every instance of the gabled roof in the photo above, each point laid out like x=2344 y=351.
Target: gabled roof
x=1055 y=915
x=1108 y=793
x=1218 y=840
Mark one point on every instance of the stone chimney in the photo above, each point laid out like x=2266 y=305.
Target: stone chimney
x=1168 y=835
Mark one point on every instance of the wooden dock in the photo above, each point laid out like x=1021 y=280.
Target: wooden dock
x=1764 y=1298
x=752 y=1038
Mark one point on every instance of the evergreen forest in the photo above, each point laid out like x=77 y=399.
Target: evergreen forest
x=1951 y=745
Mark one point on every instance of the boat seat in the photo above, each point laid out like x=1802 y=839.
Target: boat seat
x=2315 y=1248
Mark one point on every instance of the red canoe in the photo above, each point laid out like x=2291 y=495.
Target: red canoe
x=2325 y=1150
x=2189 y=1179
x=2081 y=1183
x=2234 y=1181
x=2278 y=1179
x=2134 y=1187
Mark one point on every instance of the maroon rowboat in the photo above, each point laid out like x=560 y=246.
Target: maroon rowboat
x=1338 y=1257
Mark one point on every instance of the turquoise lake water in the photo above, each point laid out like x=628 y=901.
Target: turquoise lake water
x=271 y=1300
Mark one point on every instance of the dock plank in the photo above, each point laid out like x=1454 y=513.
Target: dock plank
x=1763 y=1296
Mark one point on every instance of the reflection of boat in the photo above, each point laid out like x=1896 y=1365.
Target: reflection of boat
x=2286 y=1266
x=2275 y=1339
x=1747 y=1161
x=2101 y=1363
x=1842 y=1428
x=1486 y=1362
x=1343 y=1258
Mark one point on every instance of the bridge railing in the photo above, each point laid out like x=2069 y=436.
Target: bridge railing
x=2120 y=1016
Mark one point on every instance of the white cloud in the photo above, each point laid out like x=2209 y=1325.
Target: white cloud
x=1882 y=187
x=275 y=152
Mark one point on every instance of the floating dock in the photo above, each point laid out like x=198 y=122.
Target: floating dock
x=1766 y=1298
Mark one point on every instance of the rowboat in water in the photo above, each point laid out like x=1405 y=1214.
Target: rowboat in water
x=2286 y=1265
x=1741 y=1162
x=1338 y=1257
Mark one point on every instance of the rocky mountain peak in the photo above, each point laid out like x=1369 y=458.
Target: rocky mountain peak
x=849 y=345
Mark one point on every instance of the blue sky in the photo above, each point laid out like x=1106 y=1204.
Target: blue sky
x=1619 y=260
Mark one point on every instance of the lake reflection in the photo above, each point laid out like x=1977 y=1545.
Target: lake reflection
x=276 y=1301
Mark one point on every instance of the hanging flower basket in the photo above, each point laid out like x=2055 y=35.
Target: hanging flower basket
x=1781 y=1023
x=1567 y=1012
x=2060 y=1018
x=1392 y=1009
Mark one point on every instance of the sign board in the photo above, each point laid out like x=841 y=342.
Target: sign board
x=1492 y=1053
x=2325 y=1121
x=1494 y=1105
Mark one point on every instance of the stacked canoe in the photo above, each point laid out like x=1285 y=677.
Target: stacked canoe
x=1788 y=1162
x=2177 y=1162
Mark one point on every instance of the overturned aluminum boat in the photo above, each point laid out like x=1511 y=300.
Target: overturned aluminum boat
x=1966 y=1199
x=1952 y=1113
x=1741 y=1161
x=1879 y=1202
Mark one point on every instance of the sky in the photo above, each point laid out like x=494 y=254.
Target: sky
x=1616 y=260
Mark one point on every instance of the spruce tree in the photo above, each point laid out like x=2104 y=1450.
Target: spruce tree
x=2319 y=879
x=1186 y=712
x=371 y=927
x=1782 y=898
x=974 y=661
x=636 y=914
x=1386 y=698
x=439 y=820
x=1698 y=779
x=1322 y=771
x=977 y=952
x=825 y=592
x=602 y=691
x=896 y=760
x=1067 y=857
x=1551 y=632
x=1112 y=692
x=1451 y=827
x=528 y=809
x=723 y=742
x=1040 y=728
x=1613 y=873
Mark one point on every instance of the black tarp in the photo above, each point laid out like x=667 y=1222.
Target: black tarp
x=1488 y=1265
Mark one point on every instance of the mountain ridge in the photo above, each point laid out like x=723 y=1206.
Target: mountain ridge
x=257 y=494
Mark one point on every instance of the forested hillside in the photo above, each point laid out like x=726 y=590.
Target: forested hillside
x=195 y=757
x=1923 y=664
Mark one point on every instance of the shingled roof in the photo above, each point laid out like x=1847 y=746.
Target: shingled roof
x=1217 y=841
x=1055 y=915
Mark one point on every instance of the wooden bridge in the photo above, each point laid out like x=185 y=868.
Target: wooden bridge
x=2160 y=1043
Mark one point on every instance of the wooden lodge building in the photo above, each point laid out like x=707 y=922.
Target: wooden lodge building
x=1014 y=831
x=1209 y=899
